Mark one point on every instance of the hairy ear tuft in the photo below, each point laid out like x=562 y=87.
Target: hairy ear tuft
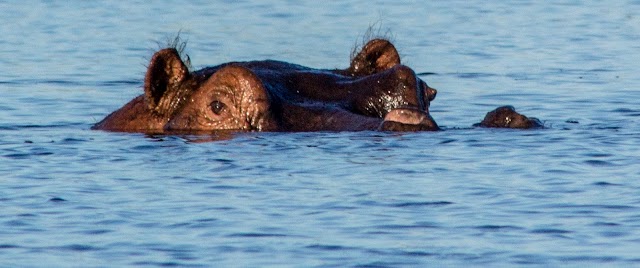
x=180 y=45
x=165 y=73
x=375 y=54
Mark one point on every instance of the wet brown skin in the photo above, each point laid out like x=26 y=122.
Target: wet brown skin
x=375 y=93
x=507 y=117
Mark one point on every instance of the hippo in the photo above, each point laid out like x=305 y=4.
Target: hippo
x=507 y=117
x=376 y=92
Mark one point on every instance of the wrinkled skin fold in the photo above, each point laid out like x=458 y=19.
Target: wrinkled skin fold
x=376 y=92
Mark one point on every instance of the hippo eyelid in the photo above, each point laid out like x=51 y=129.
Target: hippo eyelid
x=231 y=95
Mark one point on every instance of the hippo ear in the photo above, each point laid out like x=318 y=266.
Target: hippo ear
x=377 y=55
x=165 y=73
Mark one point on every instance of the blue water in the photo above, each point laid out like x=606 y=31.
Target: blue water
x=567 y=195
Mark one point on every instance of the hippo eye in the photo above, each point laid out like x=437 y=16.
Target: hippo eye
x=217 y=107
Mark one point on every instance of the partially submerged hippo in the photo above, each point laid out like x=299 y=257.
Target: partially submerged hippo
x=507 y=117
x=376 y=92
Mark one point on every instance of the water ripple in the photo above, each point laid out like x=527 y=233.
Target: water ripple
x=60 y=82
x=606 y=184
x=498 y=227
x=77 y=247
x=330 y=247
x=599 y=163
x=550 y=231
x=422 y=204
x=257 y=235
x=57 y=199
x=423 y=225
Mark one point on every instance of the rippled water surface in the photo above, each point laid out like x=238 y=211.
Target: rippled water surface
x=567 y=195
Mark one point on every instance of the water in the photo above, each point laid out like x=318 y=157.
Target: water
x=562 y=196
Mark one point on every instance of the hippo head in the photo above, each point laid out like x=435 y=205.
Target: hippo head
x=507 y=117
x=375 y=92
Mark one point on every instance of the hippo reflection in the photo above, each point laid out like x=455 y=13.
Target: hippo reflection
x=375 y=92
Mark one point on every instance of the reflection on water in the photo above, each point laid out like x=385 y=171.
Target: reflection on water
x=464 y=196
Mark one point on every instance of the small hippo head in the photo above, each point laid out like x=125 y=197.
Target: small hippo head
x=507 y=117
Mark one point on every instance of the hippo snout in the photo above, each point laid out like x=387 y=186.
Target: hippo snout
x=408 y=119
